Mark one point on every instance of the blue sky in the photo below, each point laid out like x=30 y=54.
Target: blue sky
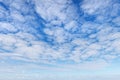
x=59 y=39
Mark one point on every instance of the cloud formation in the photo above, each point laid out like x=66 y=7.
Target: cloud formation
x=59 y=32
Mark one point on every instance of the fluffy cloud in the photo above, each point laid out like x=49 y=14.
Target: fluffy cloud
x=95 y=6
x=53 y=32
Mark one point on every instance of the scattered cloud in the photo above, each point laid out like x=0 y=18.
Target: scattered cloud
x=53 y=32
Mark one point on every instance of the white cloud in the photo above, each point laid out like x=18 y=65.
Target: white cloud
x=17 y=16
x=61 y=39
x=51 y=9
x=95 y=6
x=7 y=27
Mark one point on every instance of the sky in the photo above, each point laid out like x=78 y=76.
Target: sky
x=59 y=39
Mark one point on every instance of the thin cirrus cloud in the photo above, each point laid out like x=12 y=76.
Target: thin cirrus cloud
x=64 y=32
